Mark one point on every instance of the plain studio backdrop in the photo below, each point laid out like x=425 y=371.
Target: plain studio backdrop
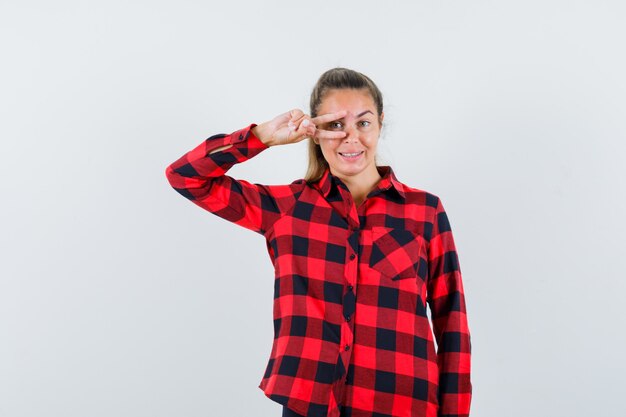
x=118 y=297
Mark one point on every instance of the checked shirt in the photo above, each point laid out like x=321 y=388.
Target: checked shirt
x=352 y=286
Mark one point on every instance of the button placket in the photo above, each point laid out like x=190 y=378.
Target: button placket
x=349 y=303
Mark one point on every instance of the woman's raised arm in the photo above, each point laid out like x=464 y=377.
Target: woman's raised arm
x=200 y=174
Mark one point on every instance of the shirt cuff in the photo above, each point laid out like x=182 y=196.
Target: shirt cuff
x=246 y=134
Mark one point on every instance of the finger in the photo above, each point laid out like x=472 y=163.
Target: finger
x=305 y=125
x=282 y=118
x=328 y=117
x=306 y=129
x=295 y=123
x=296 y=114
x=309 y=128
x=327 y=134
x=296 y=118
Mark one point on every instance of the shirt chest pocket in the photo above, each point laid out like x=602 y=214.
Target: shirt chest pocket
x=398 y=253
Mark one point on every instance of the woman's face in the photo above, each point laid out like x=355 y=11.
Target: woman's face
x=353 y=155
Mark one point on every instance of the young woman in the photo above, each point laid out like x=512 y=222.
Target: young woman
x=359 y=257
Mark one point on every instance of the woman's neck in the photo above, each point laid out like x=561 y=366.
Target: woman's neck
x=360 y=186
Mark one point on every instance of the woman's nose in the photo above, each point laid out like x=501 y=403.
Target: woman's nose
x=351 y=133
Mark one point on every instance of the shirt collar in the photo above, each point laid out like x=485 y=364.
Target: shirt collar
x=388 y=182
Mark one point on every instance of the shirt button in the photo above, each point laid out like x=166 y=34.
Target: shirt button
x=352 y=256
x=350 y=287
x=348 y=318
x=347 y=347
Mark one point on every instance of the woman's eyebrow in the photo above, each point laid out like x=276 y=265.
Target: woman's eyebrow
x=357 y=116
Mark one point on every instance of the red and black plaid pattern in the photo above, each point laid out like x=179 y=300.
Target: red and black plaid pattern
x=351 y=288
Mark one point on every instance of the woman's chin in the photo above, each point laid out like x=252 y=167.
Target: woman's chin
x=348 y=169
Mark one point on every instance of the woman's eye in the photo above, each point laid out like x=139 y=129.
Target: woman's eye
x=335 y=125
x=365 y=123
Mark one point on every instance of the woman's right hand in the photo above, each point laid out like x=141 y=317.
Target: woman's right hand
x=294 y=126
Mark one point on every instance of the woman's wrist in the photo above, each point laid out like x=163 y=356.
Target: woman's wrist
x=261 y=132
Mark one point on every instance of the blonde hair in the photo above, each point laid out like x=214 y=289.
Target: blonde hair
x=336 y=79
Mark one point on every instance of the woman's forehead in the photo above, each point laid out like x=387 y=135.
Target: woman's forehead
x=355 y=102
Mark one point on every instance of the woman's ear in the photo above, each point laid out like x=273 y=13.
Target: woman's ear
x=382 y=116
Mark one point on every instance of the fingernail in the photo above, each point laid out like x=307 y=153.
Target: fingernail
x=305 y=122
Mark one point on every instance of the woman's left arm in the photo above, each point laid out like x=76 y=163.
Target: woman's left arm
x=447 y=305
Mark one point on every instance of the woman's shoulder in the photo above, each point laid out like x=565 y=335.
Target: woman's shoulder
x=419 y=196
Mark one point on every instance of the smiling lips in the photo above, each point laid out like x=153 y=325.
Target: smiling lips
x=351 y=155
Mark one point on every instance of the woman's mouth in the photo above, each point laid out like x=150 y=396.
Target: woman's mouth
x=350 y=156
